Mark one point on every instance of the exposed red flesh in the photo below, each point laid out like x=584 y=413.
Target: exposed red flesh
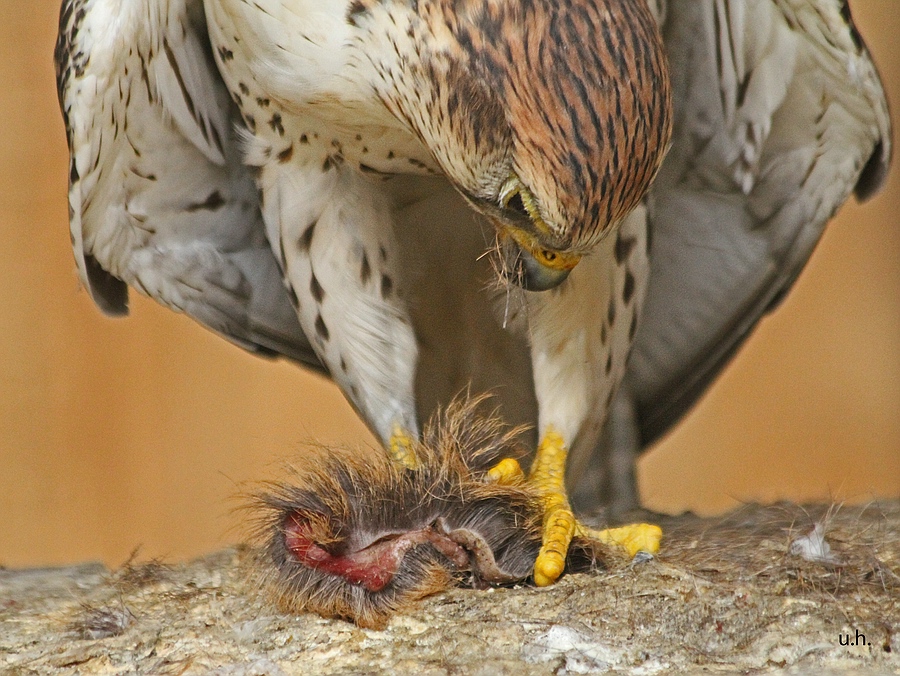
x=372 y=567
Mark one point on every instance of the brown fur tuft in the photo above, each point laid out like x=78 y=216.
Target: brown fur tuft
x=456 y=527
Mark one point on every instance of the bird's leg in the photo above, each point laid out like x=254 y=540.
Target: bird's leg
x=560 y=525
x=580 y=336
x=337 y=247
x=548 y=475
x=609 y=476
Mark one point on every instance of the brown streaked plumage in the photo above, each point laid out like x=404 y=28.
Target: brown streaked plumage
x=573 y=97
x=587 y=97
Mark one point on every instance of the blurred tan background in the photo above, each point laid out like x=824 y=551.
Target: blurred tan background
x=119 y=433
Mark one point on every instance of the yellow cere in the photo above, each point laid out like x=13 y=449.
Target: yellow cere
x=556 y=260
x=550 y=258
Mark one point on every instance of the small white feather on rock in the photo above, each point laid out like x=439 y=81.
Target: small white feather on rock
x=813 y=547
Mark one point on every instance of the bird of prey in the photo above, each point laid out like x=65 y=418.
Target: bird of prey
x=321 y=181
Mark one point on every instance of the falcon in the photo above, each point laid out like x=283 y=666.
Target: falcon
x=418 y=197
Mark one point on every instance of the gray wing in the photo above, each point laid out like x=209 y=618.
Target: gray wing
x=779 y=116
x=159 y=198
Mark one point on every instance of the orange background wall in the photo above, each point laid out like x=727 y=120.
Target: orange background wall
x=118 y=433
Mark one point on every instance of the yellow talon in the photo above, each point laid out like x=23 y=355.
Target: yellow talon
x=634 y=538
x=507 y=471
x=402 y=448
x=548 y=476
x=559 y=529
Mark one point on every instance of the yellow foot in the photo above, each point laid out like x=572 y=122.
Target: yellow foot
x=507 y=471
x=548 y=475
x=559 y=529
x=633 y=538
x=560 y=526
x=402 y=448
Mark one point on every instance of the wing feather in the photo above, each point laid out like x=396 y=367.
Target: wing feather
x=159 y=197
x=187 y=85
x=780 y=115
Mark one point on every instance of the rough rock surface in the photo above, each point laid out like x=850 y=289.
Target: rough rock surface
x=724 y=595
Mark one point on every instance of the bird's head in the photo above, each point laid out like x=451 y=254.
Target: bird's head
x=550 y=116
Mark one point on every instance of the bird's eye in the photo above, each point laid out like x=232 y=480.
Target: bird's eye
x=517 y=204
